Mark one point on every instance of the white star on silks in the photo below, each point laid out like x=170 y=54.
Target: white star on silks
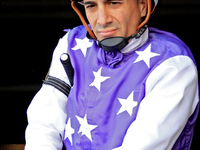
x=127 y=104
x=85 y=128
x=82 y=44
x=98 y=79
x=69 y=131
x=146 y=55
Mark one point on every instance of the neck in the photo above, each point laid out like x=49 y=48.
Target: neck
x=135 y=43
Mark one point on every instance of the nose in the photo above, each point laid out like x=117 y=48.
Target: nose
x=104 y=17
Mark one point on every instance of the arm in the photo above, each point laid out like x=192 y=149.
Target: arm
x=171 y=98
x=46 y=113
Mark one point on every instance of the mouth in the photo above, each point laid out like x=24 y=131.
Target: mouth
x=107 y=33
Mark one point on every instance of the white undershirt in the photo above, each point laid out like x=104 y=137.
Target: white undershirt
x=136 y=43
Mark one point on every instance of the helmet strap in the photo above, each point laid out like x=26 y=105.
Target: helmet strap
x=82 y=19
x=149 y=12
x=115 y=44
x=118 y=42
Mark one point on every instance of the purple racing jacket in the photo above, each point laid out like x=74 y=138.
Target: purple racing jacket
x=143 y=98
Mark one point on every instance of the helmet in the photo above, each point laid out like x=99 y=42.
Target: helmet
x=150 y=11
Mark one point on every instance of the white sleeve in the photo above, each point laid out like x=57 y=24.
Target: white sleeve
x=171 y=98
x=47 y=111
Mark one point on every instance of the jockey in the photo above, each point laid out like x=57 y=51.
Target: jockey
x=129 y=86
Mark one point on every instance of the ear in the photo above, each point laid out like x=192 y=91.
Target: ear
x=143 y=7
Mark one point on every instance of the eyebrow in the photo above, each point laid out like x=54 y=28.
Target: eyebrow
x=92 y=2
x=88 y=3
x=112 y=0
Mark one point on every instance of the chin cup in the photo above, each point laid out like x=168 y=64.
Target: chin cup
x=114 y=44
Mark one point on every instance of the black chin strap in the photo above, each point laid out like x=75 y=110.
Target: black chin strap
x=114 y=44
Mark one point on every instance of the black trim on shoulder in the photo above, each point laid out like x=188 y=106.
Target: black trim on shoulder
x=58 y=84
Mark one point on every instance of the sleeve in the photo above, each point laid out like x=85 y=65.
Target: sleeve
x=47 y=111
x=170 y=99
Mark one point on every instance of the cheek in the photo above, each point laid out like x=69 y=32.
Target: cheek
x=127 y=23
x=121 y=21
x=91 y=19
x=132 y=21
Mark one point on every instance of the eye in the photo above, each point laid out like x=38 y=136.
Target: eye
x=114 y=3
x=90 y=6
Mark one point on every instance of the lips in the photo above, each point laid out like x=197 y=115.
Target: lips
x=106 y=33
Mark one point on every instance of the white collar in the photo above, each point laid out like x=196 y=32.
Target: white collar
x=136 y=43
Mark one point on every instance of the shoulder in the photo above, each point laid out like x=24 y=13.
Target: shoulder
x=168 y=44
x=63 y=43
x=164 y=37
x=167 y=40
x=78 y=31
x=174 y=64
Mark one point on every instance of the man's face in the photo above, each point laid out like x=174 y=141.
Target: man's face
x=110 y=18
